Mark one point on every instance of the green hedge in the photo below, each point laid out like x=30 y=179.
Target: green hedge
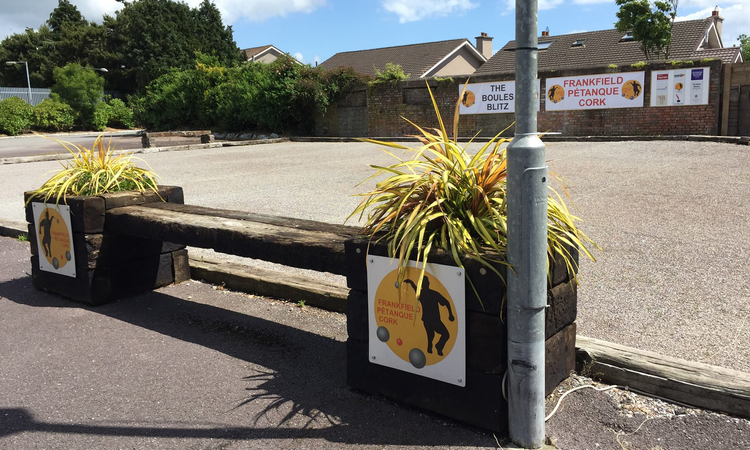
x=283 y=96
x=15 y=116
x=53 y=115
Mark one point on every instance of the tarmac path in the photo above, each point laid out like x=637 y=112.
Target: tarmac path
x=671 y=218
x=195 y=367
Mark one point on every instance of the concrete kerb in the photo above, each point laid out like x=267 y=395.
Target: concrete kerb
x=128 y=133
x=175 y=148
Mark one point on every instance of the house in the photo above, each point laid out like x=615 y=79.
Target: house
x=692 y=39
x=431 y=59
x=265 y=54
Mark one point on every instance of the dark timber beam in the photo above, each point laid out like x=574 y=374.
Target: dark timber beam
x=292 y=242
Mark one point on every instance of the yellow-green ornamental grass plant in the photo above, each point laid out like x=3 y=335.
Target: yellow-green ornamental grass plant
x=96 y=171
x=444 y=197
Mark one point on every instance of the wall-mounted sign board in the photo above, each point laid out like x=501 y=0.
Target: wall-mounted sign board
x=680 y=87
x=425 y=336
x=490 y=98
x=600 y=91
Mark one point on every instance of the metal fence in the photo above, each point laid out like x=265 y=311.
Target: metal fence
x=39 y=94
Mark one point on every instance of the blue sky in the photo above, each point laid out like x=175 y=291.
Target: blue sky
x=316 y=29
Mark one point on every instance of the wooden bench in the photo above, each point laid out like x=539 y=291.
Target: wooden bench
x=205 y=135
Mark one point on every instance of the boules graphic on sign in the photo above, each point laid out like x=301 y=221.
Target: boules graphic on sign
x=54 y=238
x=425 y=336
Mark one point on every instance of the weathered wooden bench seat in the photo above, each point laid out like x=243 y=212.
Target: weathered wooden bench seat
x=205 y=135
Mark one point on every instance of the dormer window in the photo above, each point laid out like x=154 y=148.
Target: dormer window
x=628 y=37
x=579 y=43
x=544 y=45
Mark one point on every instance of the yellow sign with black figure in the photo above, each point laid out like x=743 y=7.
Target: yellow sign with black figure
x=54 y=238
x=423 y=335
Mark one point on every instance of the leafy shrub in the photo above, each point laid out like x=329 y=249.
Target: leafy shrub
x=81 y=88
x=391 y=74
x=283 y=96
x=15 y=115
x=120 y=116
x=445 y=197
x=53 y=115
x=100 y=117
x=96 y=171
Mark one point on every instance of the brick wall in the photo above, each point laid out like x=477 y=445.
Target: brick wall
x=380 y=114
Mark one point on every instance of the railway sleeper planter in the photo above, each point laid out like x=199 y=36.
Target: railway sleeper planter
x=480 y=402
x=109 y=265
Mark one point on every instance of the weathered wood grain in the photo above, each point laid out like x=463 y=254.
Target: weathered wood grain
x=296 y=247
x=688 y=382
x=271 y=283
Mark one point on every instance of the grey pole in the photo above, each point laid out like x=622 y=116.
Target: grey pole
x=527 y=245
x=28 y=82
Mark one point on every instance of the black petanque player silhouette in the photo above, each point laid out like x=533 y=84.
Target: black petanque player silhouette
x=636 y=88
x=552 y=91
x=45 y=229
x=431 y=301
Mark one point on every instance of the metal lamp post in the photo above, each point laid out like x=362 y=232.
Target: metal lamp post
x=527 y=245
x=28 y=82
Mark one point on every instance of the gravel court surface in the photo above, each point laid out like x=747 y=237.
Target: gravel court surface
x=670 y=217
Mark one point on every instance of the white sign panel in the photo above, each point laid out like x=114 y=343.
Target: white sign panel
x=680 y=87
x=54 y=237
x=601 y=91
x=425 y=336
x=490 y=98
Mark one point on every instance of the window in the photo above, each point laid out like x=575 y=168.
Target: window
x=544 y=45
x=579 y=43
x=628 y=36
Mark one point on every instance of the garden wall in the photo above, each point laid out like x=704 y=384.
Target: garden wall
x=376 y=111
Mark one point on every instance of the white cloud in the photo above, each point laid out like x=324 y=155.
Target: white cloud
x=260 y=10
x=18 y=15
x=299 y=57
x=413 y=10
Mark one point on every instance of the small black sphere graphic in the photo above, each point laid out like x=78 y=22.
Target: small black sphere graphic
x=417 y=358
x=383 y=334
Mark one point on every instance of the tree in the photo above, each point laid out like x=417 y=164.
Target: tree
x=651 y=27
x=81 y=88
x=65 y=14
x=161 y=34
x=745 y=47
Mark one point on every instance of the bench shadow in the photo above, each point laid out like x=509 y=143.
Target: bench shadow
x=319 y=393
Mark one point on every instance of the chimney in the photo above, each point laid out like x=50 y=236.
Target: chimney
x=484 y=45
x=718 y=22
x=545 y=32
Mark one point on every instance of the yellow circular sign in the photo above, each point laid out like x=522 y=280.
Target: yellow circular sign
x=679 y=86
x=54 y=238
x=556 y=93
x=468 y=99
x=420 y=331
x=631 y=89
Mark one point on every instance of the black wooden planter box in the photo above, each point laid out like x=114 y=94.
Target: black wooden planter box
x=481 y=401
x=110 y=265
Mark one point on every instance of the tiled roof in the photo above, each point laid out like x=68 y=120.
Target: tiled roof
x=415 y=59
x=250 y=52
x=601 y=48
x=726 y=55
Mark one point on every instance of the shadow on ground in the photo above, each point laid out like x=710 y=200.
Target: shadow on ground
x=307 y=372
